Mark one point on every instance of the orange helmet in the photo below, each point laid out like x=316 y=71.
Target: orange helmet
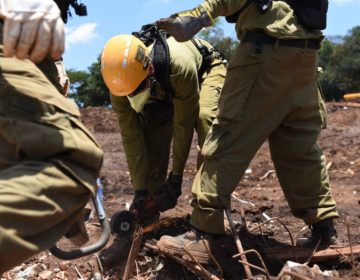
x=124 y=64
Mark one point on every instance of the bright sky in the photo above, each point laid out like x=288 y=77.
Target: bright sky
x=86 y=36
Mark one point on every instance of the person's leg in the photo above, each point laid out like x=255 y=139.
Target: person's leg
x=253 y=103
x=209 y=103
x=39 y=202
x=299 y=162
x=301 y=167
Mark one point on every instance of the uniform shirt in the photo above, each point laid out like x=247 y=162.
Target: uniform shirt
x=279 y=21
x=185 y=62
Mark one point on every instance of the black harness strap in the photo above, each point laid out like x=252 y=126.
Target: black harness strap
x=150 y=34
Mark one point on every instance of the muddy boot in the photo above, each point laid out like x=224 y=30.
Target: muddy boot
x=185 y=244
x=323 y=230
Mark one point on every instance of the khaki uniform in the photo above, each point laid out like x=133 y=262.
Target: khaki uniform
x=48 y=161
x=147 y=139
x=271 y=95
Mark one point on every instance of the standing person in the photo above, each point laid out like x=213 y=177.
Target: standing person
x=48 y=160
x=161 y=92
x=270 y=93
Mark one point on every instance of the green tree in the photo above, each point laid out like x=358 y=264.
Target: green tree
x=215 y=36
x=88 y=88
x=346 y=62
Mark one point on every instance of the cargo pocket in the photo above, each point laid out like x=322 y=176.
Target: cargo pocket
x=215 y=138
x=242 y=73
x=68 y=139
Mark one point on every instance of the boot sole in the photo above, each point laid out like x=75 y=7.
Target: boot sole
x=201 y=258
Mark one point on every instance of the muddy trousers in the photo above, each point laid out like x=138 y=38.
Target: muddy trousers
x=48 y=163
x=271 y=96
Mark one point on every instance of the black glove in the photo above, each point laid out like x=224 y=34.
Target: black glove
x=139 y=198
x=169 y=193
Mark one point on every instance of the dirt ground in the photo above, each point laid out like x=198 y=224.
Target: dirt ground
x=341 y=145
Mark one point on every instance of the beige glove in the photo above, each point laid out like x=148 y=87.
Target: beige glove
x=63 y=77
x=184 y=25
x=32 y=29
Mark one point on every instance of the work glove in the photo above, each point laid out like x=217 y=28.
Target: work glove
x=32 y=29
x=184 y=25
x=62 y=76
x=169 y=193
x=140 y=197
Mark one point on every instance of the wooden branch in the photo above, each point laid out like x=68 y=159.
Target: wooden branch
x=304 y=253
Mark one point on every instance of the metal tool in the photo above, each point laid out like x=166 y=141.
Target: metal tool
x=92 y=248
x=123 y=223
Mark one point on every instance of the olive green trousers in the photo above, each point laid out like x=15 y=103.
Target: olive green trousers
x=157 y=133
x=48 y=162
x=270 y=95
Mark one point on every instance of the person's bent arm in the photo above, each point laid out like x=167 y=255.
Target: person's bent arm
x=133 y=141
x=184 y=25
x=186 y=109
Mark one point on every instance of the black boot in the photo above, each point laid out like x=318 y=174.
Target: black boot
x=323 y=230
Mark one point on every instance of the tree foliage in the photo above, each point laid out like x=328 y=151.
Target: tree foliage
x=340 y=60
x=215 y=36
x=339 y=57
x=88 y=87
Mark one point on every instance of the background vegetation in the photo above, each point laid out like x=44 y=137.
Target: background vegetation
x=339 y=58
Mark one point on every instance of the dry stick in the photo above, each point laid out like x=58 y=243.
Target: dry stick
x=350 y=245
x=144 y=273
x=135 y=247
x=99 y=264
x=137 y=269
x=198 y=264
x=213 y=259
x=193 y=267
x=243 y=220
x=313 y=252
x=249 y=203
x=286 y=228
x=264 y=269
x=78 y=273
x=238 y=244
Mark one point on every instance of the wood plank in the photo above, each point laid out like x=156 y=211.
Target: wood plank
x=304 y=253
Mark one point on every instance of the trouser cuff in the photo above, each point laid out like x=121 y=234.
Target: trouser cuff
x=208 y=221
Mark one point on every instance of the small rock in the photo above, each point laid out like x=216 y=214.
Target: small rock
x=60 y=275
x=64 y=265
x=43 y=275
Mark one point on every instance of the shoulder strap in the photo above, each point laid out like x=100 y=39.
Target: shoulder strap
x=206 y=54
x=150 y=34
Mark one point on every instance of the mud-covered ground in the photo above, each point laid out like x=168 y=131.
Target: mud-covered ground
x=341 y=145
